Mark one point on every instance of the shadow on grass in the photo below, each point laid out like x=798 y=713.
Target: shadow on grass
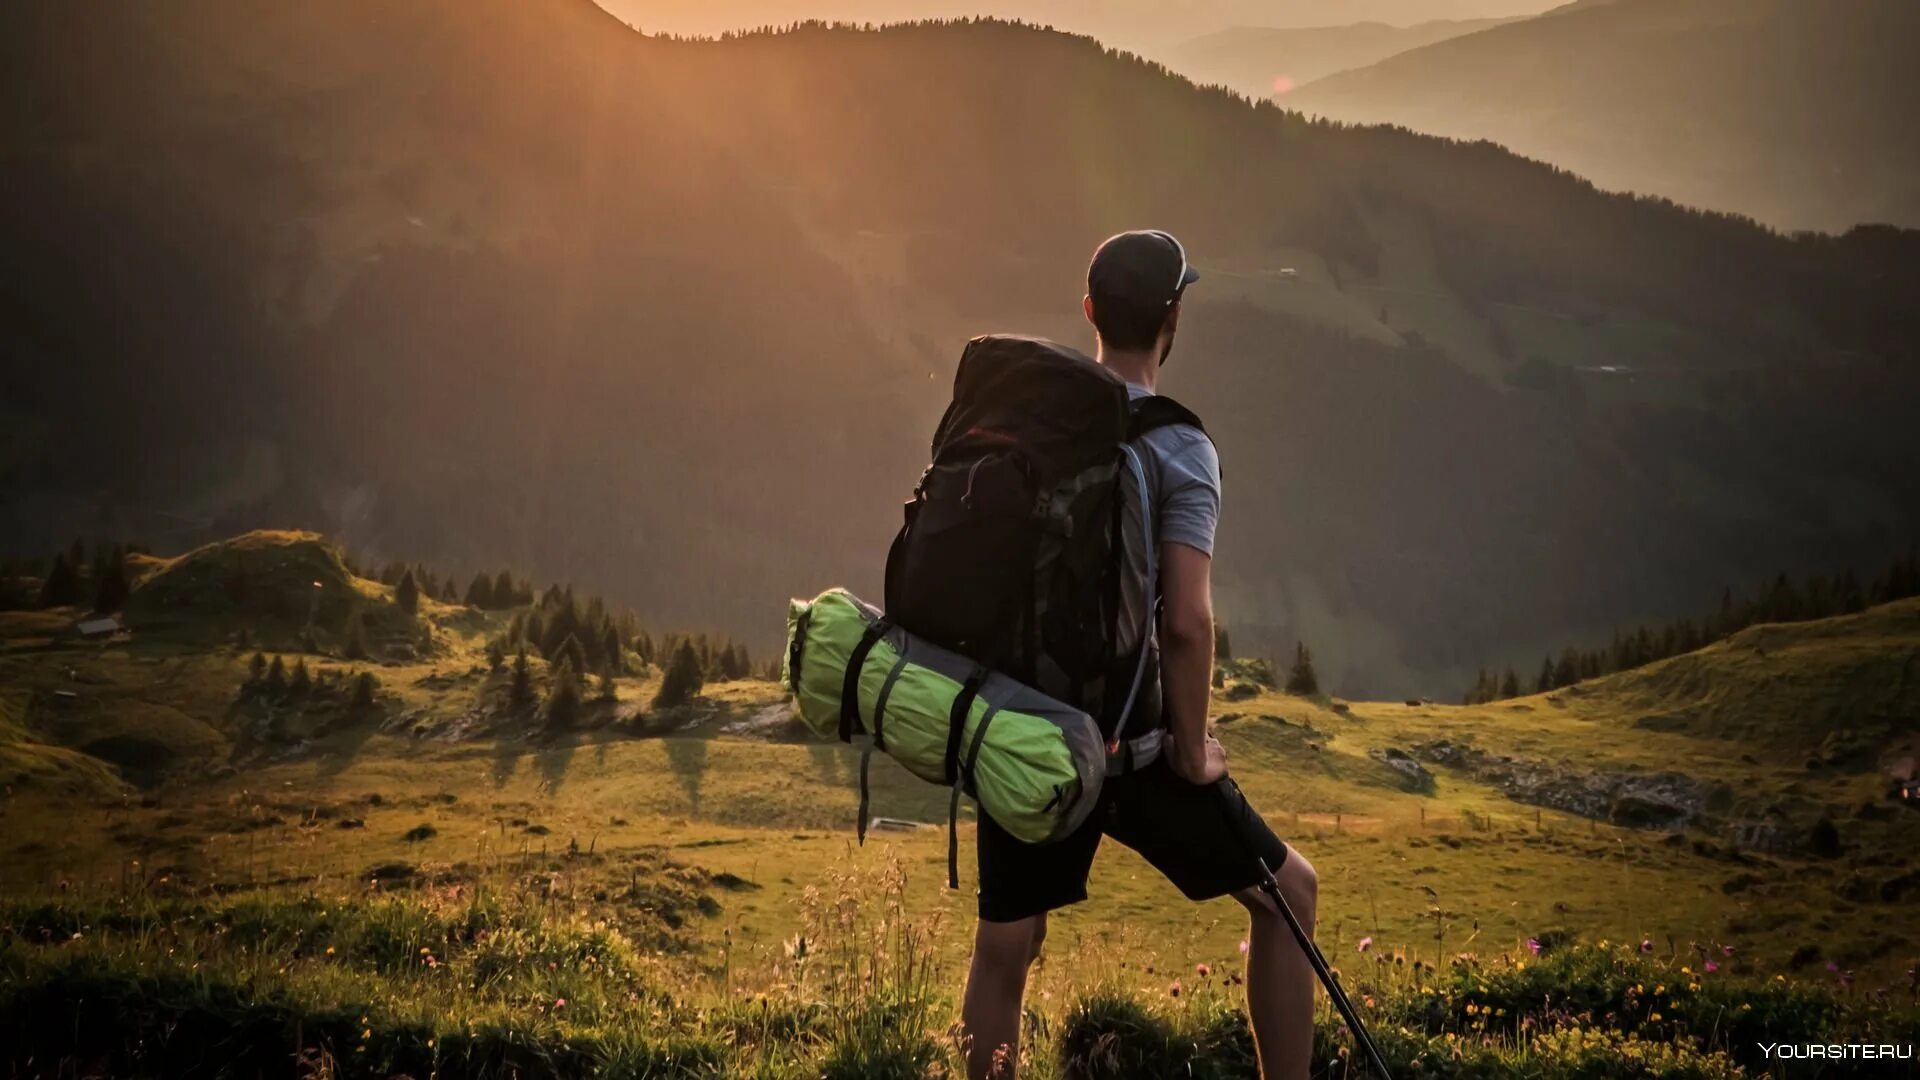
x=688 y=759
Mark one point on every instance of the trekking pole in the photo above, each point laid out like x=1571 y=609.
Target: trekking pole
x=1271 y=886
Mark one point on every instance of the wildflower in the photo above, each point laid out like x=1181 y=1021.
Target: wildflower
x=1243 y=946
x=1780 y=978
x=1710 y=967
x=329 y=950
x=1655 y=1017
x=1661 y=989
x=424 y=950
x=1173 y=990
x=1646 y=945
x=1533 y=946
x=1685 y=970
x=1365 y=944
x=1472 y=1009
x=1367 y=1000
x=1726 y=950
x=559 y=1003
x=1202 y=970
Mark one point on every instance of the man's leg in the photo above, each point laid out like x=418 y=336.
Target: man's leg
x=1280 y=981
x=996 y=985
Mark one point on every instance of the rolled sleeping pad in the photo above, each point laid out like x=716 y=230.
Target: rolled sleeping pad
x=1034 y=764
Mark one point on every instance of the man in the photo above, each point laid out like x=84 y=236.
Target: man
x=1177 y=808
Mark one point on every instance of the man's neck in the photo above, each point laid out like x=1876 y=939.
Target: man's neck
x=1137 y=366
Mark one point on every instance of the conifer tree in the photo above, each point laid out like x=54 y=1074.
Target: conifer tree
x=609 y=689
x=363 y=692
x=276 y=684
x=572 y=653
x=1544 y=684
x=1222 y=644
x=563 y=700
x=1302 y=679
x=520 y=692
x=111 y=591
x=62 y=585
x=407 y=593
x=504 y=594
x=496 y=656
x=615 y=655
x=683 y=679
x=257 y=667
x=480 y=592
x=302 y=681
x=1510 y=685
x=355 y=647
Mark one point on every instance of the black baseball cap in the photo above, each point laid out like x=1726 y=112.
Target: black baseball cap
x=1143 y=269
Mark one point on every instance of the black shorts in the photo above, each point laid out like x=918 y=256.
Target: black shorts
x=1203 y=838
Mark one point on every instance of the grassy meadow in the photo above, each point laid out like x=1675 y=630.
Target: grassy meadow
x=197 y=881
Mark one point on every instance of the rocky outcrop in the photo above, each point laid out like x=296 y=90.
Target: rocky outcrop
x=1629 y=797
x=1414 y=775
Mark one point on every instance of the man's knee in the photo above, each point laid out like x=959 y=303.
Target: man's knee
x=1299 y=884
x=1010 y=946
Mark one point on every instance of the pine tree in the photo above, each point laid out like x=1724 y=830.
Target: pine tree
x=407 y=593
x=257 y=668
x=355 y=647
x=449 y=594
x=496 y=656
x=1301 y=679
x=563 y=701
x=112 y=590
x=1510 y=685
x=276 y=684
x=504 y=594
x=1567 y=671
x=302 y=681
x=1222 y=644
x=520 y=692
x=609 y=690
x=684 y=677
x=616 y=662
x=480 y=592
x=62 y=585
x=363 y=692
x=572 y=653
x=1544 y=684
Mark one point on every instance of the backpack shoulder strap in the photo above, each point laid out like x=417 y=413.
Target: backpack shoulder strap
x=1154 y=412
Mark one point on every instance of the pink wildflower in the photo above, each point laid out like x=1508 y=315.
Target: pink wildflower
x=1710 y=967
x=1533 y=946
x=1646 y=945
x=1243 y=947
x=1174 y=989
x=1366 y=943
x=559 y=1003
x=1202 y=970
x=1726 y=950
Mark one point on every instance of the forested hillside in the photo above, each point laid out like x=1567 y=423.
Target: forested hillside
x=502 y=282
x=1797 y=114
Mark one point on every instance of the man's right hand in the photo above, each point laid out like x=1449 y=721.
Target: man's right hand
x=1210 y=767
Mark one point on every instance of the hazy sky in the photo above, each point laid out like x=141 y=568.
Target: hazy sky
x=1135 y=24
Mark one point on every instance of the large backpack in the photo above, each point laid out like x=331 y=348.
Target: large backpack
x=1011 y=553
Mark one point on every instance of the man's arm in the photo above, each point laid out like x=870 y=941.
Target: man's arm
x=1186 y=661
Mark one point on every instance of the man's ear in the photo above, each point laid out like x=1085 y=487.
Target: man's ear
x=1086 y=307
x=1173 y=317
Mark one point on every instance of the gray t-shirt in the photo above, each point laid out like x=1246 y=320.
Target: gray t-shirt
x=1182 y=472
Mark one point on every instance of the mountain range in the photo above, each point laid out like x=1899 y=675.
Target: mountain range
x=1261 y=61
x=1797 y=114
x=504 y=282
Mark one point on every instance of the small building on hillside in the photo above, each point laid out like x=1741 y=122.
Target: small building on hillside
x=100 y=627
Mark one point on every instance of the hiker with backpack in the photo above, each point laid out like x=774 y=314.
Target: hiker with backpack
x=1046 y=647
x=1167 y=795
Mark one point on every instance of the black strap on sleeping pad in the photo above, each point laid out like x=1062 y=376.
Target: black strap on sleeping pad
x=799 y=647
x=879 y=742
x=956 y=729
x=964 y=781
x=850 y=687
x=957 y=722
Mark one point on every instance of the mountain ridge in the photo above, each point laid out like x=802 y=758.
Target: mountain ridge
x=679 y=317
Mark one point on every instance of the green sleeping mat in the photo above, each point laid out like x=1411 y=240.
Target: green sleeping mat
x=1033 y=764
